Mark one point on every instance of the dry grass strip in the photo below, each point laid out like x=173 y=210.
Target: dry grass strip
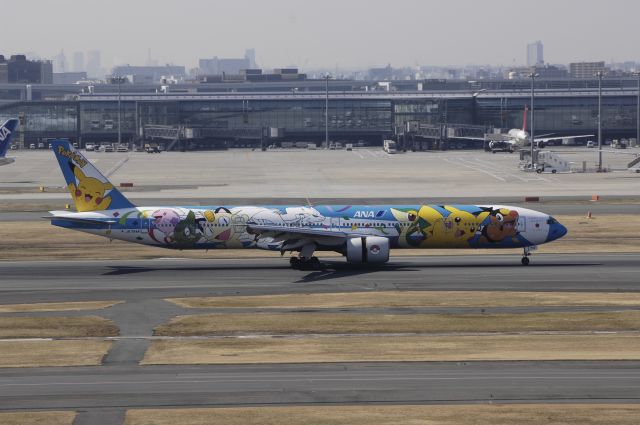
x=52 y=353
x=400 y=348
x=37 y=418
x=56 y=327
x=355 y=323
x=529 y=414
x=410 y=299
x=64 y=306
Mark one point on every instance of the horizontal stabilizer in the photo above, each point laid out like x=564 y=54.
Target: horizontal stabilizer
x=79 y=220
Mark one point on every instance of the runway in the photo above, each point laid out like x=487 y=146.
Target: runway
x=42 y=281
x=120 y=383
x=422 y=383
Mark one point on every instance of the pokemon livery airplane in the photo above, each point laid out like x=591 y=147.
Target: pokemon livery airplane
x=362 y=233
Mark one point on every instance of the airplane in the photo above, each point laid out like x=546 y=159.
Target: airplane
x=516 y=138
x=364 y=234
x=6 y=131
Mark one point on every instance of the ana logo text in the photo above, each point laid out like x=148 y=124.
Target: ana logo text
x=72 y=156
x=4 y=133
x=364 y=214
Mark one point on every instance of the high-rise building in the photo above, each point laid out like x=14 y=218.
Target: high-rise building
x=78 y=61
x=219 y=66
x=535 y=53
x=586 y=70
x=250 y=54
x=18 y=69
x=60 y=62
x=93 y=64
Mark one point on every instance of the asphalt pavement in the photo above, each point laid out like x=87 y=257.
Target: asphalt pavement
x=103 y=393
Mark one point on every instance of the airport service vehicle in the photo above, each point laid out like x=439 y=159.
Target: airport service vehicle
x=362 y=233
x=6 y=132
x=552 y=162
x=122 y=148
x=151 y=148
x=89 y=147
x=389 y=146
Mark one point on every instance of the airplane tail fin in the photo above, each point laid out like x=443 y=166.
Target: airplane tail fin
x=90 y=190
x=524 y=118
x=6 y=131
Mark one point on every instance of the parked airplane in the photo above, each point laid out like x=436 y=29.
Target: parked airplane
x=6 y=131
x=517 y=138
x=362 y=233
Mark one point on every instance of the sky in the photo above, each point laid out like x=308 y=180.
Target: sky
x=345 y=34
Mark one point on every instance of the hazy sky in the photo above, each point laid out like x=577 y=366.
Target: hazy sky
x=326 y=33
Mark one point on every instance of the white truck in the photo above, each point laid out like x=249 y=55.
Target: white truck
x=389 y=146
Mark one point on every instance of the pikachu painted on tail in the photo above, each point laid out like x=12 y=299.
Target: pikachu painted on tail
x=90 y=190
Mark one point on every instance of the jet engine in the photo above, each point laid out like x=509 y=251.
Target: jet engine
x=368 y=250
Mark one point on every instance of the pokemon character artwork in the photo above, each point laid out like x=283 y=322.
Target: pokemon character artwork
x=90 y=190
x=362 y=233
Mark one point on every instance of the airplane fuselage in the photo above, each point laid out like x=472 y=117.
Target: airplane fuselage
x=405 y=226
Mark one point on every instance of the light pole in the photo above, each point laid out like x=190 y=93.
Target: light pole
x=119 y=126
x=326 y=112
x=533 y=77
x=600 y=75
x=637 y=74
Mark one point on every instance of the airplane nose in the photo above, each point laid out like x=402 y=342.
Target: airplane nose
x=556 y=231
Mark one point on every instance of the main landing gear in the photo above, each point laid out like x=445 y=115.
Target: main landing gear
x=306 y=260
x=527 y=252
x=302 y=263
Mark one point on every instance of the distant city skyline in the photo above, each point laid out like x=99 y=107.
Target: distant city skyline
x=353 y=34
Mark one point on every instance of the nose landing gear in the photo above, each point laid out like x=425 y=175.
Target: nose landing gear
x=527 y=252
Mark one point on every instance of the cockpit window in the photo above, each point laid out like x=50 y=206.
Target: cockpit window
x=552 y=220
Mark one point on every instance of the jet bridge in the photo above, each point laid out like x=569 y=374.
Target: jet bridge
x=420 y=136
x=175 y=134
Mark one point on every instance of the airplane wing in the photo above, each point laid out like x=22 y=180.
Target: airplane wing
x=469 y=138
x=298 y=232
x=546 y=139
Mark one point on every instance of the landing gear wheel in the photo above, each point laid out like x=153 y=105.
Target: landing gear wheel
x=295 y=263
x=314 y=263
x=525 y=261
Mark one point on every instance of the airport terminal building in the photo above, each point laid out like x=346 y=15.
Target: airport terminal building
x=227 y=114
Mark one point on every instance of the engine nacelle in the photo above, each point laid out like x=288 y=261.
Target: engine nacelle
x=370 y=249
